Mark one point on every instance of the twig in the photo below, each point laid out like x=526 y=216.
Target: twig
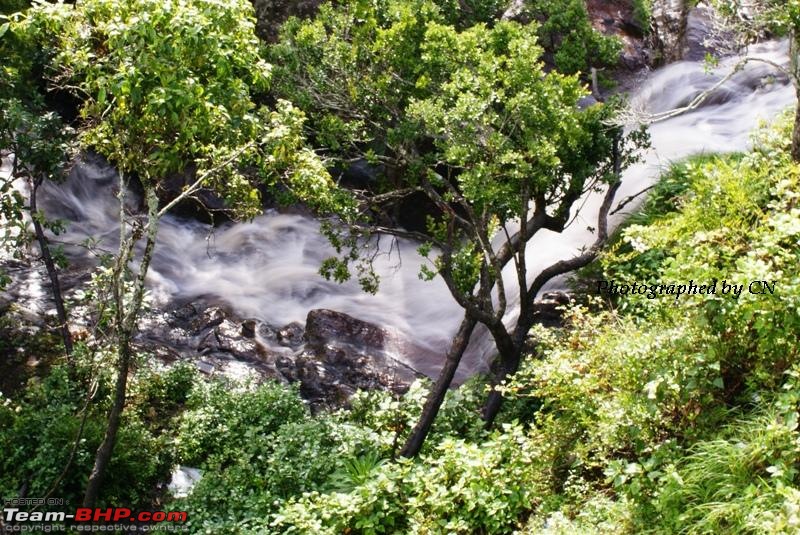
x=627 y=200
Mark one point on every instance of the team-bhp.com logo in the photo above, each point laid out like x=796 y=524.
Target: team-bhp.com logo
x=18 y=518
x=85 y=514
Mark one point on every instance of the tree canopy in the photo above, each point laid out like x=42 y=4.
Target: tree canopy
x=469 y=118
x=165 y=85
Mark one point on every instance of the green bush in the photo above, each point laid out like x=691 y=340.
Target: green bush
x=662 y=403
x=742 y=481
x=222 y=419
x=465 y=13
x=258 y=446
x=298 y=457
x=459 y=487
x=157 y=393
x=569 y=38
x=392 y=418
x=37 y=434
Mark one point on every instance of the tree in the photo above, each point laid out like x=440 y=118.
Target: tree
x=38 y=144
x=471 y=120
x=168 y=86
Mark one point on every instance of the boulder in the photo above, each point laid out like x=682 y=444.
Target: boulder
x=330 y=358
x=249 y=328
x=227 y=338
x=291 y=335
x=356 y=353
x=331 y=327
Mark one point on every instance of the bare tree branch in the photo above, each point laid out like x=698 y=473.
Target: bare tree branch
x=630 y=198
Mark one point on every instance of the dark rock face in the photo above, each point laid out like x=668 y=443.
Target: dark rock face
x=668 y=22
x=548 y=311
x=249 y=328
x=698 y=22
x=616 y=17
x=331 y=327
x=201 y=206
x=410 y=212
x=356 y=354
x=331 y=357
x=291 y=335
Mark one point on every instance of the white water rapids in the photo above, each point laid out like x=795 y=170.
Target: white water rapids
x=268 y=268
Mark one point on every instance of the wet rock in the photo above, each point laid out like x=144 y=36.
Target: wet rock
x=210 y=318
x=202 y=205
x=311 y=383
x=668 y=25
x=331 y=327
x=249 y=328
x=361 y=175
x=291 y=335
x=229 y=335
x=205 y=367
x=356 y=353
x=414 y=211
x=698 y=25
x=331 y=357
x=549 y=311
x=558 y=297
x=208 y=343
x=266 y=332
x=184 y=313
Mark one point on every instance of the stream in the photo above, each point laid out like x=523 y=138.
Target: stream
x=267 y=268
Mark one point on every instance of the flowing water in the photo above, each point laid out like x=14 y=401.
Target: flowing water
x=267 y=268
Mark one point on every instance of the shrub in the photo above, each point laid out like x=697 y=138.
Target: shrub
x=569 y=38
x=299 y=456
x=37 y=435
x=459 y=487
x=222 y=420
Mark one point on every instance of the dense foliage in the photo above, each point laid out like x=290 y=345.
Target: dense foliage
x=572 y=45
x=38 y=433
x=187 y=100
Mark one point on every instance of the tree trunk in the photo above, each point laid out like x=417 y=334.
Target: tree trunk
x=509 y=364
x=794 y=53
x=125 y=325
x=439 y=390
x=103 y=455
x=52 y=272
